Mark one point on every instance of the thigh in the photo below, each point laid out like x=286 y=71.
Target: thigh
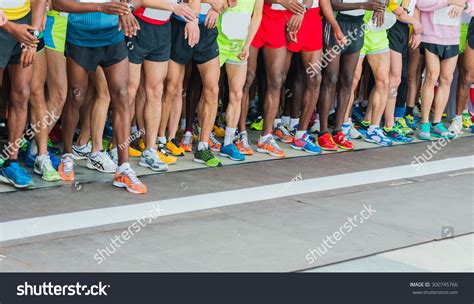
x=468 y=61
x=39 y=72
x=380 y=65
x=155 y=72
x=236 y=75
x=210 y=73
x=275 y=61
x=433 y=64
x=78 y=78
x=348 y=66
x=117 y=77
x=448 y=67
x=56 y=68
x=396 y=62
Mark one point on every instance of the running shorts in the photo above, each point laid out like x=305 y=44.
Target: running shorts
x=272 y=31
x=92 y=57
x=310 y=35
x=55 y=31
x=375 y=43
x=442 y=51
x=351 y=26
x=470 y=34
x=206 y=49
x=152 y=43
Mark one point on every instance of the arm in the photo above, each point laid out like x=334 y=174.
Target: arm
x=71 y=6
x=254 y=22
x=328 y=13
x=432 y=5
x=403 y=16
x=337 y=5
x=3 y=19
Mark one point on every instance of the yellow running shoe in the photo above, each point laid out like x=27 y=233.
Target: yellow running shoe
x=141 y=144
x=466 y=121
x=165 y=156
x=173 y=146
x=134 y=152
x=219 y=132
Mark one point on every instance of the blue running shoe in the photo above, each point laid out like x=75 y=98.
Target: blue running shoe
x=378 y=137
x=395 y=134
x=31 y=158
x=306 y=143
x=358 y=114
x=231 y=152
x=15 y=175
x=108 y=130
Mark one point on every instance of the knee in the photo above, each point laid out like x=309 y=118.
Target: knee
x=154 y=91
x=445 y=79
x=346 y=82
x=330 y=80
x=235 y=96
x=211 y=93
x=395 y=80
x=314 y=82
x=21 y=94
x=120 y=97
x=275 y=83
x=382 y=84
x=249 y=80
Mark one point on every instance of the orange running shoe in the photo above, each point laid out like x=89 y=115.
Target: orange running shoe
x=270 y=146
x=128 y=179
x=66 y=168
x=326 y=143
x=282 y=133
x=187 y=142
x=214 y=144
x=342 y=142
x=243 y=144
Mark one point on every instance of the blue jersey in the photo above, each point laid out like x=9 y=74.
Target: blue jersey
x=202 y=18
x=93 y=30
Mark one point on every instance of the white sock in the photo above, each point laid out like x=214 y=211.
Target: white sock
x=182 y=123
x=203 y=146
x=264 y=138
x=162 y=140
x=293 y=123
x=458 y=118
x=372 y=128
x=276 y=122
x=123 y=167
x=299 y=134
x=33 y=147
x=94 y=154
x=349 y=120
x=229 y=135
x=465 y=112
x=285 y=120
x=134 y=129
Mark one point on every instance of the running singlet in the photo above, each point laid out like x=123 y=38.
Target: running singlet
x=154 y=16
x=357 y=12
x=205 y=8
x=93 y=29
x=15 y=9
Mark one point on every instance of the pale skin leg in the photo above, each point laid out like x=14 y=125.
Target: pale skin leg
x=174 y=87
x=378 y=96
x=56 y=81
x=210 y=73
x=236 y=75
x=99 y=108
x=251 y=70
x=355 y=82
x=395 y=78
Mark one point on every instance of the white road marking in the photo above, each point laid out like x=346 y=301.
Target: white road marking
x=461 y=173
x=31 y=227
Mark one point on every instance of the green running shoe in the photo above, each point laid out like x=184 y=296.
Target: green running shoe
x=2 y=161
x=44 y=167
x=402 y=125
x=257 y=124
x=206 y=157
x=440 y=131
x=425 y=131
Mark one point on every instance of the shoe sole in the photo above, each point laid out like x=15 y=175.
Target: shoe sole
x=66 y=179
x=145 y=165
x=76 y=156
x=203 y=162
x=10 y=182
x=311 y=152
x=344 y=148
x=377 y=143
x=45 y=179
x=284 y=141
x=296 y=148
x=268 y=152
x=230 y=157
x=92 y=167
x=123 y=185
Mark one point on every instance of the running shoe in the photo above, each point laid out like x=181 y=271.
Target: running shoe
x=44 y=167
x=30 y=158
x=16 y=176
x=165 y=157
x=231 y=151
x=257 y=124
x=2 y=161
x=141 y=145
x=425 y=131
x=128 y=179
x=150 y=159
x=440 y=131
x=243 y=144
x=402 y=125
x=108 y=130
x=187 y=142
x=342 y=142
x=270 y=146
x=102 y=162
x=282 y=133
x=350 y=131
x=396 y=134
x=206 y=157
x=378 y=137
x=363 y=126
x=214 y=144
x=81 y=152
x=56 y=135
x=114 y=155
x=315 y=127
x=466 y=120
x=411 y=121
x=218 y=131
x=52 y=148
x=417 y=110
x=357 y=113
x=132 y=152
x=326 y=143
x=305 y=144
x=66 y=168
x=456 y=126
x=173 y=146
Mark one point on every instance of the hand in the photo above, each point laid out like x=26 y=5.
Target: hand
x=461 y=3
x=455 y=11
x=3 y=18
x=378 y=18
x=339 y=36
x=244 y=55
x=218 y=5
x=27 y=56
x=291 y=36
x=129 y=24
x=294 y=6
x=295 y=22
x=21 y=34
x=417 y=27
x=211 y=19
x=114 y=8
x=415 y=40
x=191 y=33
x=374 y=6
x=184 y=11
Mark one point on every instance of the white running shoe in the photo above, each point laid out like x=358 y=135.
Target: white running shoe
x=315 y=127
x=101 y=162
x=456 y=126
x=81 y=152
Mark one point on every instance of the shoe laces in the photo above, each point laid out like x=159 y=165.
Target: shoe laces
x=244 y=140
x=273 y=143
x=206 y=154
x=213 y=139
x=68 y=163
x=284 y=131
x=380 y=133
x=131 y=175
x=402 y=122
x=188 y=137
x=410 y=118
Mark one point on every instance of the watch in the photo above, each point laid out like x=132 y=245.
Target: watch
x=35 y=33
x=131 y=7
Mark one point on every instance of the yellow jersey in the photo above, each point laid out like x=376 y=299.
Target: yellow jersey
x=15 y=9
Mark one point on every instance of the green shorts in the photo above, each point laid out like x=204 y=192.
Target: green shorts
x=463 y=39
x=55 y=31
x=375 y=43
